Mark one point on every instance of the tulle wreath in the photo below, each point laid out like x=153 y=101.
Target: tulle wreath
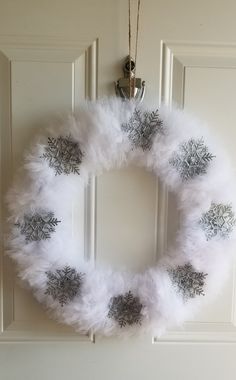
x=110 y=134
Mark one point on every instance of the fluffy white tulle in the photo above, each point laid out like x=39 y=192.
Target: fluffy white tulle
x=109 y=302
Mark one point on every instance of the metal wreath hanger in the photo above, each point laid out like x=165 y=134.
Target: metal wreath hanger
x=130 y=87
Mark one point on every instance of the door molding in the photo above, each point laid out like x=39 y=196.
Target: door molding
x=175 y=58
x=83 y=57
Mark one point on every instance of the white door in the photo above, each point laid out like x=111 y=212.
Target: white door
x=52 y=55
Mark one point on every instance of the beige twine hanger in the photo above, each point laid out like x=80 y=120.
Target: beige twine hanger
x=132 y=82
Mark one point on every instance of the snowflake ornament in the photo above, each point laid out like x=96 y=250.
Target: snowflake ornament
x=38 y=226
x=125 y=309
x=142 y=127
x=187 y=281
x=63 y=155
x=219 y=220
x=64 y=284
x=192 y=159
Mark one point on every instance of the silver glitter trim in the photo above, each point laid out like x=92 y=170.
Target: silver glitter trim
x=142 y=127
x=64 y=284
x=38 y=226
x=125 y=309
x=219 y=220
x=63 y=155
x=187 y=281
x=192 y=159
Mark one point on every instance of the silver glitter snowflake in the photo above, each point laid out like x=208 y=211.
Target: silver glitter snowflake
x=187 y=281
x=38 y=226
x=64 y=284
x=125 y=309
x=142 y=127
x=63 y=155
x=192 y=159
x=219 y=220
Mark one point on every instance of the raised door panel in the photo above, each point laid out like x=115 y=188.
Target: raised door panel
x=41 y=80
x=192 y=75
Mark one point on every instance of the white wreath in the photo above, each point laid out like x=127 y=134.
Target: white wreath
x=108 y=134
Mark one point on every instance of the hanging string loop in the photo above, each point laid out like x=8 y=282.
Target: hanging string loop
x=132 y=76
